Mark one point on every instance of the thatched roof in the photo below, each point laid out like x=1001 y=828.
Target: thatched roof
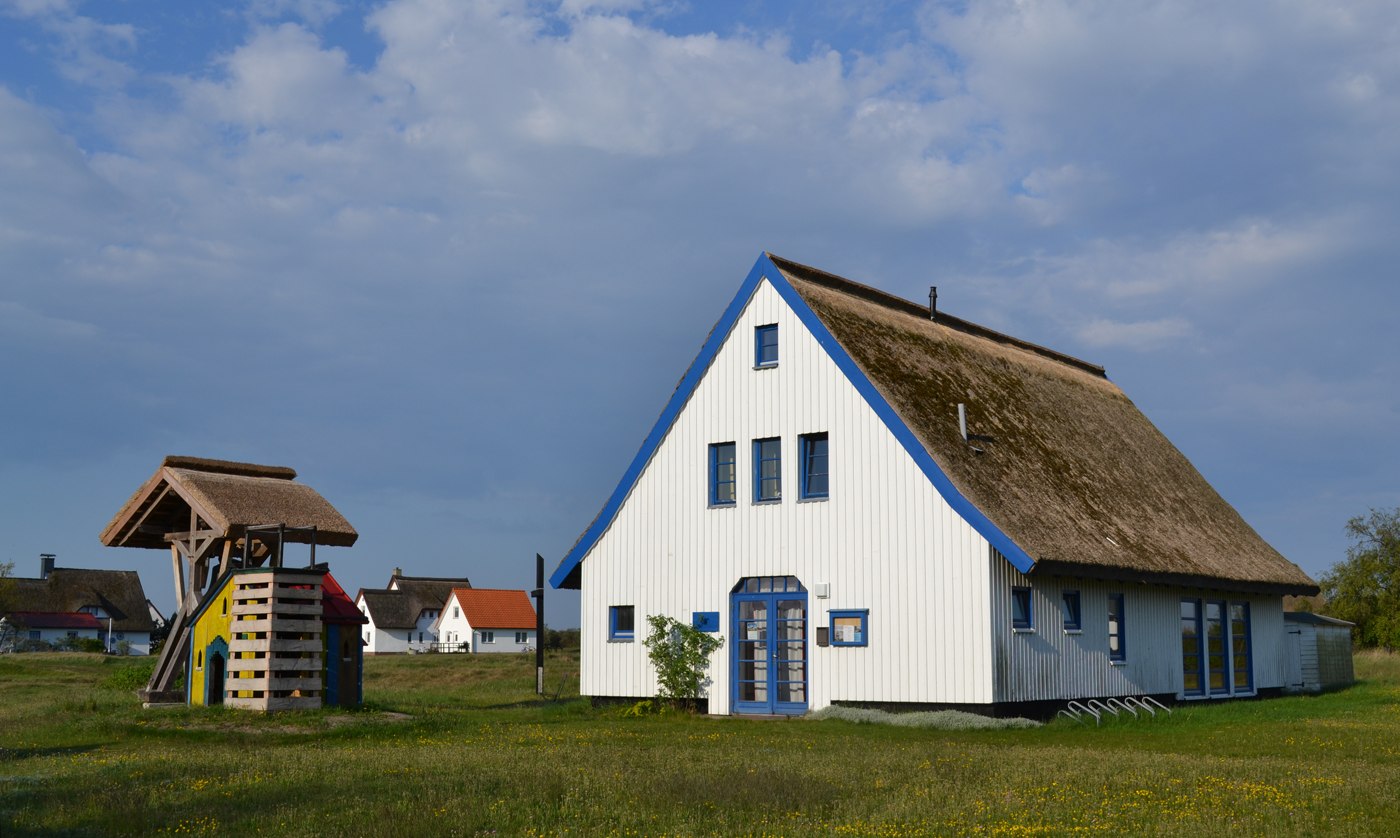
x=229 y=496
x=69 y=589
x=1070 y=470
x=400 y=608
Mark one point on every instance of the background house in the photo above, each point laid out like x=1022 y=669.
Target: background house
x=878 y=503
x=65 y=603
x=402 y=614
x=487 y=620
x=1319 y=652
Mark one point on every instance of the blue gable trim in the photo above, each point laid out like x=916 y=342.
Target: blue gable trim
x=765 y=269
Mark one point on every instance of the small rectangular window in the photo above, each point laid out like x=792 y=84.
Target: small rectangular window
x=850 y=627
x=488 y=637
x=815 y=475
x=767 y=469
x=620 y=622
x=1021 y=608
x=522 y=637
x=1117 y=634
x=766 y=346
x=1069 y=605
x=722 y=474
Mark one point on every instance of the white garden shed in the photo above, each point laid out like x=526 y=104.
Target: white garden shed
x=1319 y=652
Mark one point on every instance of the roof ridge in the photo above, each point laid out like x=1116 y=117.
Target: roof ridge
x=841 y=284
x=228 y=467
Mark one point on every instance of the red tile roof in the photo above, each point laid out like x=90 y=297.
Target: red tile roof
x=486 y=608
x=56 y=620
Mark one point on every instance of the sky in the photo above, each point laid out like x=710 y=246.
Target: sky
x=448 y=259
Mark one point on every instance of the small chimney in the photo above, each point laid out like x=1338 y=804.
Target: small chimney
x=962 y=420
x=398 y=571
x=933 y=302
x=46 y=562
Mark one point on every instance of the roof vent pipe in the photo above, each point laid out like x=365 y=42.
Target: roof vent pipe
x=962 y=420
x=46 y=563
x=933 y=302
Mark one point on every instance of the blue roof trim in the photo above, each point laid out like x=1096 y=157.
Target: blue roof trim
x=683 y=392
x=764 y=268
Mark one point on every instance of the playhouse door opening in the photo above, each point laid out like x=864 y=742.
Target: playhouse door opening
x=216 y=680
x=769 y=653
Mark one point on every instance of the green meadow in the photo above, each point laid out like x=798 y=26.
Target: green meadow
x=460 y=745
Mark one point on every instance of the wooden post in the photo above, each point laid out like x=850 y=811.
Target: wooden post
x=179 y=567
x=539 y=624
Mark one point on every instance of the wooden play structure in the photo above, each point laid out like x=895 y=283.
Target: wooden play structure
x=248 y=631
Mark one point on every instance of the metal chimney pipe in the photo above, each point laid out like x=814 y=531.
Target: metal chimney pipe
x=46 y=563
x=962 y=420
x=933 y=302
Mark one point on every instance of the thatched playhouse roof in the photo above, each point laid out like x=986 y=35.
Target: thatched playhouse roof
x=229 y=496
x=1069 y=469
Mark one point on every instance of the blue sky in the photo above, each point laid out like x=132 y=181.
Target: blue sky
x=448 y=259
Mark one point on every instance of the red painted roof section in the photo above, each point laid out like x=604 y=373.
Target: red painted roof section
x=336 y=607
x=56 y=619
x=496 y=609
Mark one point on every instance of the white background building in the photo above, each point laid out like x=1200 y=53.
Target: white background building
x=487 y=620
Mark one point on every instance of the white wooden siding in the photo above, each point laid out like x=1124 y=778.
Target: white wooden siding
x=1049 y=663
x=884 y=540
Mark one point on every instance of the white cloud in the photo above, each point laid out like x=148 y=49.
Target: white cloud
x=1140 y=335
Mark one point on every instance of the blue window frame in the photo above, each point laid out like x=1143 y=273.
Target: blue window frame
x=1069 y=607
x=1192 y=657
x=849 y=627
x=1240 y=652
x=722 y=474
x=767 y=469
x=1117 y=632
x=1217 y=659
x=622 y=622
x=815 y=475
x=765 y=340
x=1020 y=608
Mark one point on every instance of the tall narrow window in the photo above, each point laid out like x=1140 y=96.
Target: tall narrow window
x=767 y=469
x=815 y=477
x=1069 y=608
x=765 y=340
x=722 y=474
x=1217 y=662
x=1239 y=646
x=1191 y=657
x=1021 y=608
x=1117 y=635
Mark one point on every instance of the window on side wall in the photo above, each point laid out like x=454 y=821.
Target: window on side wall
x=1021 y=608
x=765 y=339
x=815 y=474
x=1069 y=606
x=723 y=476
x=767 y=470
x=621 y=624
x=522 y=637
x=1117 y=634
x=488 y=637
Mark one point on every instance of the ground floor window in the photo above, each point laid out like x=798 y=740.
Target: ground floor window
x=488 y=637
x=522 y=637
x=1216 y=654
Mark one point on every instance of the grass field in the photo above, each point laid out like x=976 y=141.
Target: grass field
x=459 y=745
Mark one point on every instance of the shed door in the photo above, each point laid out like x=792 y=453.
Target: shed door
x=769 y=652
x=1294 y=673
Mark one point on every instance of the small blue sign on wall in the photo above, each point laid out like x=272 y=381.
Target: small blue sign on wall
x=705 y=620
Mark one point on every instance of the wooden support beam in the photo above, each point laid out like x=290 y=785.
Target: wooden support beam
x=179 y=567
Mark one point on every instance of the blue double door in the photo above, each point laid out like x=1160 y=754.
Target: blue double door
x=769 y=653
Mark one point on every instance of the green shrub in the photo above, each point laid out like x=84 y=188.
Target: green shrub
x=680 y=653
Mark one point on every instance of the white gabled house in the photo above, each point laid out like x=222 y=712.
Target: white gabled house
x=403 y=614
x=877 y=503
x=486 y=620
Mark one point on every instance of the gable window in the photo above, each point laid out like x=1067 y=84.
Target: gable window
x=1021 y=609
x=621 y=622
x=767 y=469
x=488 y=637
x=522 y=637
x=765 y=339
x=456 y=612
x=1069 y=607
x=722 y=473
x=815 y=477
x=1117 y=635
